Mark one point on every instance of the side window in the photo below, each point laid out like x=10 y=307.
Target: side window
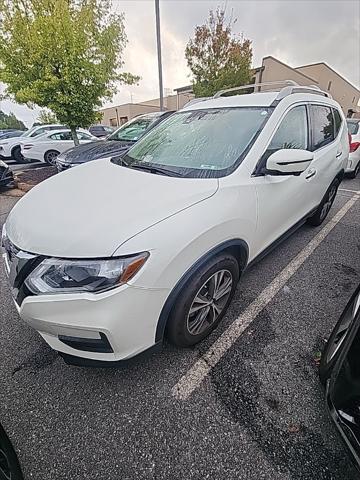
x=38 y=132
x=292 y=131
x=338 y=121
x=83 y=136
x=61 y=136
x=322 y=126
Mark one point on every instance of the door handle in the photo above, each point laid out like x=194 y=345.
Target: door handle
x=310 y=173
x=338 y=155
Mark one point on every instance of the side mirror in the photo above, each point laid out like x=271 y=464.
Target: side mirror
x=289 y=161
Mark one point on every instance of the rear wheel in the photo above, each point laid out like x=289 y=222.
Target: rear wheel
x=51 y=156
x=204 y=301
x=356 y=171
x=323 y=209
x=18 y=156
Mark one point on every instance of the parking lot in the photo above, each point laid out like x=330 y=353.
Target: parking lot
x=244 y=404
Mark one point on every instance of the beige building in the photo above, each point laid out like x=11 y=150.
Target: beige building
x=319 y=74
x=115 y=116
x=271 y=70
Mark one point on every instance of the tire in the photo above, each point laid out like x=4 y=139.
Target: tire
x=323 y=209
x=355 y=173
x=18 y=156
x=185 y=328
x=9 y=464
x=50 y=157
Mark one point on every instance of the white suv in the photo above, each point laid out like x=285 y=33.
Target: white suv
x=107 y=258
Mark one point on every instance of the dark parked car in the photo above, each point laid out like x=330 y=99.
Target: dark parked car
x=10 y=133
x=115 y=144
x=100 y=131
x=340 y=372
x=6 y=178
x=9 y=465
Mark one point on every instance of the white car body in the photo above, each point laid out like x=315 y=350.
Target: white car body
x=52 y=141
x=106 y=211
x=353 y=166
x=8 y=145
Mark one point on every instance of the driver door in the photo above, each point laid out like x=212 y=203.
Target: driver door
x=283 y=200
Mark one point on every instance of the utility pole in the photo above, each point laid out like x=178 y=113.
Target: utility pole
x=158 y=40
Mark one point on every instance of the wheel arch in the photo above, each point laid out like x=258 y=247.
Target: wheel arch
x=50 y=150
x=237 y=247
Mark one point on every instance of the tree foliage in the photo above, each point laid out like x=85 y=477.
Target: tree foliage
x=65 y=55
x=10 y=121
x=46 y=117
x=217 y=58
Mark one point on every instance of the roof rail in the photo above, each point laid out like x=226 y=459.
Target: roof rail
x=253 y=85
x=195 y=100
x=301 y=89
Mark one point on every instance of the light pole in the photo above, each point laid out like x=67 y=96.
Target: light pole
x=158 y=41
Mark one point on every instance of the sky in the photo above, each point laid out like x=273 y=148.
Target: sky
x=296 y=32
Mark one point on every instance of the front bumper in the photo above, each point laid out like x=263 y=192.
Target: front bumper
x=63 y=166
x=126 y=316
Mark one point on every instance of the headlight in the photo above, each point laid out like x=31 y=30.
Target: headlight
x=70 y=276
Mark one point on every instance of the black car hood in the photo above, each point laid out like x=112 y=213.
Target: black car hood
x=93 y=151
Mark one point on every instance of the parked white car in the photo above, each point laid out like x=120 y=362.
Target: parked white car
x=49 y=145
x=353 y=166
x=107 y=258
x=10 y=148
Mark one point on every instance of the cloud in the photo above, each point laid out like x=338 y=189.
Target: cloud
x=295 y=31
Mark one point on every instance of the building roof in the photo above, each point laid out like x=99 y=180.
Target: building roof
x=330 y=68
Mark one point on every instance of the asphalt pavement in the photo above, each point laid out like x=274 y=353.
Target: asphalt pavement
x=258 y=413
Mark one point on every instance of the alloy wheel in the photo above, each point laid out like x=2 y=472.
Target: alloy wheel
x=329 y=201
x=209 y=302
x=51 y=157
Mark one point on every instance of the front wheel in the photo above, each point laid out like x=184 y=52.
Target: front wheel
x=323 y=209
x=18 y=156
x=51 y=156
x=203 y=302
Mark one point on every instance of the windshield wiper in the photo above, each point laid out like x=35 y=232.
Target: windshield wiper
x=155 y=169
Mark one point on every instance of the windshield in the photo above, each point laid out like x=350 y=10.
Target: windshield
x=133 y=130
x=200 y=143
x=353 y=127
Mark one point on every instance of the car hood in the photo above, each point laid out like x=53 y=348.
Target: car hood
x=93 y=151
x=89 y=211
x=12 y=140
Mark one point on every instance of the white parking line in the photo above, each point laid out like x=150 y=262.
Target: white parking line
x=357 y=192
x=197 y=373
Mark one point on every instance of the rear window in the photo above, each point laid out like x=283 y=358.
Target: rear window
x=353 y=127
x=322 y=126
x=338 y=121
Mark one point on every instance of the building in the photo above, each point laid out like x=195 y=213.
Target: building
x=115 y=116
x=319 y=74
x=271 y=70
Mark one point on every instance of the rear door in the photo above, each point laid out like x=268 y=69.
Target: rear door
x=327 y=148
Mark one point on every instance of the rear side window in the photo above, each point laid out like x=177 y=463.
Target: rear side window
x=61 y=136
x=338 y=121
x=322 y=126
x=292 y=132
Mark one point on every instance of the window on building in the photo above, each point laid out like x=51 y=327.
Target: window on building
x=113 y=122
x=322 y=125
x=329 y=85
x=123 y=120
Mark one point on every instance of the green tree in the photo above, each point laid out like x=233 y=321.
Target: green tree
x=10 y=121
x=64 y=55
x=46 y=117
x=217 y=58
